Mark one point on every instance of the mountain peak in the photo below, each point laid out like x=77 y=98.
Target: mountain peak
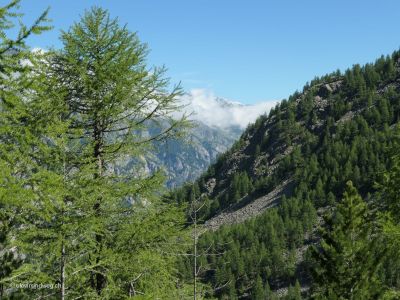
x=228 y=103
x=220 y=112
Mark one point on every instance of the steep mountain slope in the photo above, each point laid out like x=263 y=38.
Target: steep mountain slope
x=217 y=124
x=300 y=156
x=186 y=161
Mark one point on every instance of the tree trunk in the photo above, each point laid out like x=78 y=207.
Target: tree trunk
x=62 y=271
x=195 y=256
x=100 y=279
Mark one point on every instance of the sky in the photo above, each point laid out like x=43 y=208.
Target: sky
x=248 y=51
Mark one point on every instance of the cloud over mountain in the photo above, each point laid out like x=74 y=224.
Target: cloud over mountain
x=219 y=112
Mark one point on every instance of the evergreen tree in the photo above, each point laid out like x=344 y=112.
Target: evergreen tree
x=258 y=292
x=232 y=288
x=297 y=291
x=388 y=205
x=269 y=295
x=294 y=292
x=347 y=261
x=257 y=151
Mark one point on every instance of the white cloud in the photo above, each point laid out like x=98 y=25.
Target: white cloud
x=38 y=50
x=215 y=111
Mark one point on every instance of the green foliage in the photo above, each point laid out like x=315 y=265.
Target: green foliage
x=17 y=133
x=294 y=292
x=69 y=116
x=345 y=140
x=9 y=260
x=258 y=291
x=66 y=120
x=388 y=205
x=240 y=186
x=348 y=258
x=258 y=253
x=339 y=129
x=106 y=89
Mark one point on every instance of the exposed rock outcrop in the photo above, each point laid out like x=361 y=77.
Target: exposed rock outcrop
x=254 y=208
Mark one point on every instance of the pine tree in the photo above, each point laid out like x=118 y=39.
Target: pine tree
x=347 y=261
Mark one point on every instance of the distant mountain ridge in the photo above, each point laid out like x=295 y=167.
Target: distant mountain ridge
x=218 y=123
x=220 y=112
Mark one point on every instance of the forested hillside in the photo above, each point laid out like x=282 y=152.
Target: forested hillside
x=340 y=128
x=305 y=205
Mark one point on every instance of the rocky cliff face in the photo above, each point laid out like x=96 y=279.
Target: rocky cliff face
x=185 y=161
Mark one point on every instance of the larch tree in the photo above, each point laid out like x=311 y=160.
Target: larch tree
x=116 y=108
x=21 y=141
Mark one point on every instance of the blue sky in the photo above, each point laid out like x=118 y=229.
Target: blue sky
x=249 y=51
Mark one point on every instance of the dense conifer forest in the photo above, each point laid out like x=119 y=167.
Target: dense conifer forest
x=305 y=205
x=340 y=130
